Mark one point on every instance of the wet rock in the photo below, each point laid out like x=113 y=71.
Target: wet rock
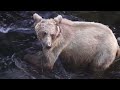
x=14 y=74
x=118 y=39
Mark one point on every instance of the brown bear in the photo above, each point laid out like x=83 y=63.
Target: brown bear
x=76 y=43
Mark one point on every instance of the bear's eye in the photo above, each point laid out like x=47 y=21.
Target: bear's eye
x=44 y=33
x=53 y=36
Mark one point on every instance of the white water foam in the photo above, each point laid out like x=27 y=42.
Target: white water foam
x=5 y=30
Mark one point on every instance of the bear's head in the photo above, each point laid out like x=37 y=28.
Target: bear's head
x=47 y=30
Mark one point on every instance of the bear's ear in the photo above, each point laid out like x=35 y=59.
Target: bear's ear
x=37 y=17
x=58 y=19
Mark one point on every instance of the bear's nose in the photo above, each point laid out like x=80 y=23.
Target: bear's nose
x=48 y=46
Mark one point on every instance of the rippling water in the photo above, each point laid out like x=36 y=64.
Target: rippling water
x=17 y=37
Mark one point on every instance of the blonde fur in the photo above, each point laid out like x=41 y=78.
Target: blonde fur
x=83 y=43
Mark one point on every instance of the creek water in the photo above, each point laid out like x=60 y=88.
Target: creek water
x=17 y=37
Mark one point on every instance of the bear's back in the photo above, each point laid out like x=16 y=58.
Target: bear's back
x=87 y=42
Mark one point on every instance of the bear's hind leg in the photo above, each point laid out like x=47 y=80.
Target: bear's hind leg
x=101 y=63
